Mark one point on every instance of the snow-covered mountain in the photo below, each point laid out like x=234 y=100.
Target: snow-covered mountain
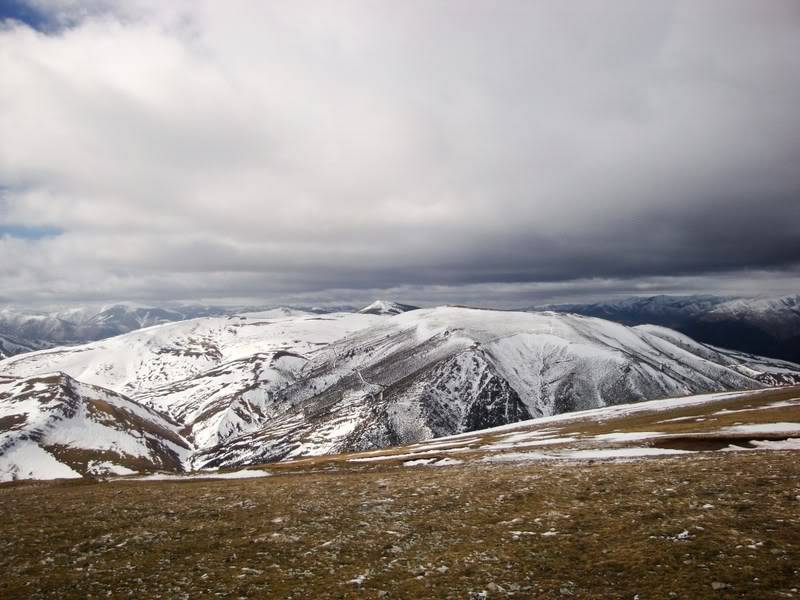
x=230 y=399
x=766 y=326
x=10 y=346
x=779 y=317
x=155 y=356
x=285 y=383
x=25 y=330
x=386 y=307
x=53 y=426
x=657 y=310
x=434 y=372
x=35 y=330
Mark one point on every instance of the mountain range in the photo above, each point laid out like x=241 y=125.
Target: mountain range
x=766 y=326
x=269 y=385
x=26 y=330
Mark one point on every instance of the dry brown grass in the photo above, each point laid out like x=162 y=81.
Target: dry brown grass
x=706 y=525
x=310 y=529
x=685 y=427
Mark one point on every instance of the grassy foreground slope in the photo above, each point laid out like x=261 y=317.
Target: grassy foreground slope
x=493 y=519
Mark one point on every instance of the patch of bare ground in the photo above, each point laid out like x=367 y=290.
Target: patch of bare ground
x=712 y=525
x=759 y=406
x=709 y=425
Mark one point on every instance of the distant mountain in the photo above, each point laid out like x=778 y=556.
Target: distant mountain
x=658 y=310
x=284 y=383
x=28 y=330
x=38 y=330
x=10 y=346
x=765 y=326
x=384 y=307
x=24 y=330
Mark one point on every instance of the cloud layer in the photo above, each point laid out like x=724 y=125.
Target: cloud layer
x=266 y=150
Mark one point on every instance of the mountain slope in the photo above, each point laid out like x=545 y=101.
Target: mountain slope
x=227 y=400
x=436 y=372
x=768 y=371
x=282 y=384
x=764 y=326
x=10 y=346
x=385 y=307
x=55 y=426
x=38 y=330
x=156 y=356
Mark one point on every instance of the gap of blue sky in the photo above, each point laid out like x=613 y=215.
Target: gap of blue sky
x=17 y=10
x=29 y=232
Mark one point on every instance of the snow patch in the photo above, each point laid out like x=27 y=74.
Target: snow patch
x=763 y=428
x=243 y=474
x=26 y=460
x=98 y=467
x=603 y=453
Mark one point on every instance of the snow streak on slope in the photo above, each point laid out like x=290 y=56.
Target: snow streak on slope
x=227 y=400
x=54 y=426
x=277 y=385
x=385 y=307
x=148 y=358
x=769 y=371
x=766 y=420
x=429 y=373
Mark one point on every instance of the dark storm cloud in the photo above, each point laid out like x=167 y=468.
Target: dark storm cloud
x=435 y=150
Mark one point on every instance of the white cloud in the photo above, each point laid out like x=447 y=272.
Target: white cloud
x=255 y=148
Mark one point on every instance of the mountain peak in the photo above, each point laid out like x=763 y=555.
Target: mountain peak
x=386 y=307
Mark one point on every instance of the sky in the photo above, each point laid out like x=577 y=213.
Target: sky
x=500 y=154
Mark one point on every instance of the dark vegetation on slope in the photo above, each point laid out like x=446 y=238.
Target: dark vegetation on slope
x=775 y=333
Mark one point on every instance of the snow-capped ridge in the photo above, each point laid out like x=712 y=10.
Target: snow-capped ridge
x=386 y=307
x=281 y=384
x=52 y=425
x=434 y=372
x=767 y=326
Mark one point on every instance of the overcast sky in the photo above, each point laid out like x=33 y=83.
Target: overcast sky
x=499 y=153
